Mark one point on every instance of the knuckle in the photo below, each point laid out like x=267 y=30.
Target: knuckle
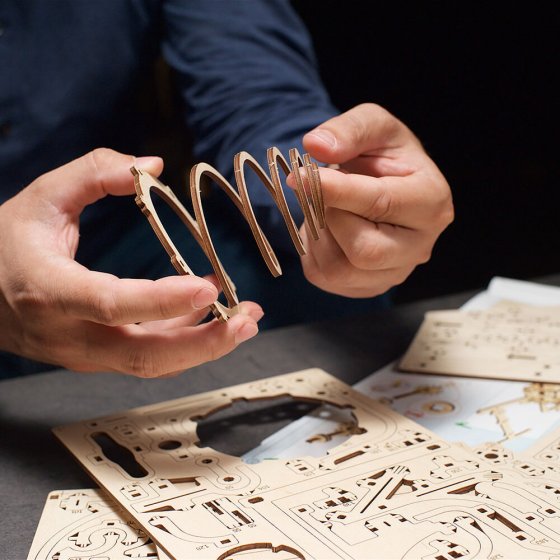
x=365 y=254
x=401 y=275
x=423 y=255
x=26 y=301
x=97 y=156
x=104 y=308
x=317 y=276
x=444 y=212
x=332 y=277
x=389 y=125
x=447 y=212
x=373 y=109
x=98 y=160
x=210 y=349
x=166 y=308
x=357 y=126
x=382 y=205
x=142 y=363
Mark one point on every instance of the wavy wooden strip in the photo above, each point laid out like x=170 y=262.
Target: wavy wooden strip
x=308 y=193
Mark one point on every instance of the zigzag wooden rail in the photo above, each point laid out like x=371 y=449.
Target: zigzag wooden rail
x=308 y=194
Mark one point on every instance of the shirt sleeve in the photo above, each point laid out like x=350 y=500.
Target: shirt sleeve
x=247 y=74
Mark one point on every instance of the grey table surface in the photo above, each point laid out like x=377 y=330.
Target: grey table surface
x=33 y=463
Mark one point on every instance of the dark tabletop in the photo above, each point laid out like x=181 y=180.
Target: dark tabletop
x=33 y=463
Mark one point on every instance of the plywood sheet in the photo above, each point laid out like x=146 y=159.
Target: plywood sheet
x=87 y=525
x=395 y=490
x=459 y=409
x=508 y=341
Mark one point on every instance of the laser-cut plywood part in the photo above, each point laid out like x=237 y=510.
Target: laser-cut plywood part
x=395 y=490
x=538 y=466
x=508 y=341
x=547 y=451
x=87 y=525
x=308 y=193
x=459 y=409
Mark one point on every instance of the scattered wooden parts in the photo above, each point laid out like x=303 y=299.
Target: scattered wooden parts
x=308 y=194
x=85 y=524
x=393 y=490
x=508 y=341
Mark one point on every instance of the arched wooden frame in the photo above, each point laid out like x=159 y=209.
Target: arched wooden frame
x=308 y=194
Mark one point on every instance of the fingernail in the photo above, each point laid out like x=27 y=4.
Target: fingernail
x=255 y=313
x=245 y=332
x=146 y=161
x=325 y=136
x=203 y=298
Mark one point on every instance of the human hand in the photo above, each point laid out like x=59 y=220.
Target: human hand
x=385 y=207
x=55 y=310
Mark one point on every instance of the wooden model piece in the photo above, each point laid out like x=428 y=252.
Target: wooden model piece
x=85 y=524
x=308 y=194
x=508 y=341
x=539 y=465
x=393 y=490
x=473 y=411
x=547 y=451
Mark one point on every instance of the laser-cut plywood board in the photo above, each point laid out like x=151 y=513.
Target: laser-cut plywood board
x=539 y=465
x=547 y=451
x=508 y=341
x=86 y=524
x=395 y=490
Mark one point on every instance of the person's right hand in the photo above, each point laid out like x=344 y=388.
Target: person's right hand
x=54 y=310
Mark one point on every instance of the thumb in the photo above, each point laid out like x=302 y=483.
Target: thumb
x=362 y=130
x=73 y=186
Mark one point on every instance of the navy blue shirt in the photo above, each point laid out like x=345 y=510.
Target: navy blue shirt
x=70 y=71
x=70 y=74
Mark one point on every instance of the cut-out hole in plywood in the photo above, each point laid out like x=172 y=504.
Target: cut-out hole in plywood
x=396 y=489
x=118 y=454
x=242 y=428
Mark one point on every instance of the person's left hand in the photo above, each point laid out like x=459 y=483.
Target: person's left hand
x=385 y=207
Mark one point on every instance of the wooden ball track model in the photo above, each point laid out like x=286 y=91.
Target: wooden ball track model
x=307 y=191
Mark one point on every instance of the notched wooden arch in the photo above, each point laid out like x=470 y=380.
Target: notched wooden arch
x=308 y=194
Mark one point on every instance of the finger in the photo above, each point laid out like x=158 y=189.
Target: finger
x=214 y=280
x=327 y=267
x=248 y=308
x=93 y=176
x=364 y=129
x=106 y=299
x=417 y=201
x=378 y=246
x=132 y=350
x=193 y=318
x=190 y=320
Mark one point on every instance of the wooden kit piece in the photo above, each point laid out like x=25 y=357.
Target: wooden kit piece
x=508 y=341
x=308 y=193
x=547 y=451
x=84 y=525
x=458 y=409
x=392 y=490
x=538 y=466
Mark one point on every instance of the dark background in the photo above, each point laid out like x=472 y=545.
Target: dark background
x=474 y=83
